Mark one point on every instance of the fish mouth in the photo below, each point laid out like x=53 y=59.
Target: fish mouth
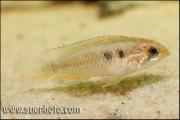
x=166 y=53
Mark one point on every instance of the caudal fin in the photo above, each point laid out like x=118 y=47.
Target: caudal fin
x=31 y=71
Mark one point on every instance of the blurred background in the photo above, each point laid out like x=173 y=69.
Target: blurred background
x=30 y=27
x=55 y=23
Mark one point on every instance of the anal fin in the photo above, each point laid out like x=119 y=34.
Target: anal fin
x=110 y=80
x=66 y=79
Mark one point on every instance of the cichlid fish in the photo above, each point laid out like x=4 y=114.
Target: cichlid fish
x=111 y=56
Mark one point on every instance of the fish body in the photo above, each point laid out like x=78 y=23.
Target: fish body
x=100 y=56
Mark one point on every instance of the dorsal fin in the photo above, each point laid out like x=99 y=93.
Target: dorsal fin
x=60 y=51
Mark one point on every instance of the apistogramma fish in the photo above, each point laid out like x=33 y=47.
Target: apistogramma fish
x=111 y=56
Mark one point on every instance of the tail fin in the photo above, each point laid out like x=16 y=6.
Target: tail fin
x=31 y=71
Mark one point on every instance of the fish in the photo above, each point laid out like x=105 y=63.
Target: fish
x=111 y=56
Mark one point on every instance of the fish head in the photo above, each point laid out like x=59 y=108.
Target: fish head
x=151 y=53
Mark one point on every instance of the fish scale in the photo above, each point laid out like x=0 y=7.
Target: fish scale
x=112 y=56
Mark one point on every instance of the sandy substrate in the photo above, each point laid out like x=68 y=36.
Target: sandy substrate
x=151 y=93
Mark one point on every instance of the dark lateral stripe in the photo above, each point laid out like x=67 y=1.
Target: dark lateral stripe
x=121 y=54
x=108 y=55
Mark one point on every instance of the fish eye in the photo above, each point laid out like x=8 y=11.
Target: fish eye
x=153 y=50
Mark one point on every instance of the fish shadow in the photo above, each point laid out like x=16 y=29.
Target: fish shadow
x=85 y=88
